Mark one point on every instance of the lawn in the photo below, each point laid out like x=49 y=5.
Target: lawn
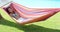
x=52 y=24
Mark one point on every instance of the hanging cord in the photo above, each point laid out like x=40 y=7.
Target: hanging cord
x=6 y=4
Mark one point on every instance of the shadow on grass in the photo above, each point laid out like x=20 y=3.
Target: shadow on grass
x=28 y=28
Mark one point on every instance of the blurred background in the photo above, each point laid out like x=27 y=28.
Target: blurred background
x=36 y=3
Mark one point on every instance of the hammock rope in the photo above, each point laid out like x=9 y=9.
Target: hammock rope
x=6 y=4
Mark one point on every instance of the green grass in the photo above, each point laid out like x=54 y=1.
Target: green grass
x=50 y=25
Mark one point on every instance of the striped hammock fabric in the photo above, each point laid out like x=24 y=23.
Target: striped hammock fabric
x=29 y=15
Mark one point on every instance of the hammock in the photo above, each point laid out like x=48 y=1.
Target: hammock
x=24 y=15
